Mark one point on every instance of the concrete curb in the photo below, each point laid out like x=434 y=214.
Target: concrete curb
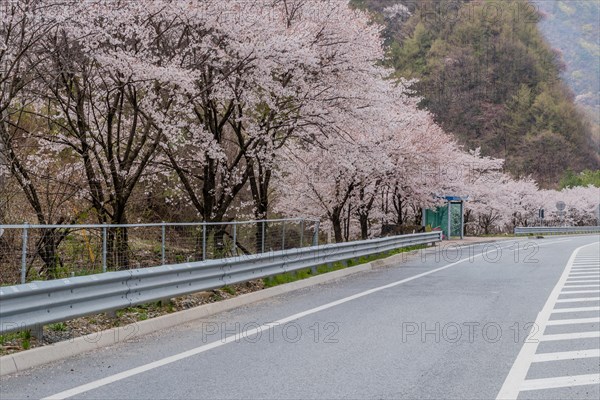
x=23 y=360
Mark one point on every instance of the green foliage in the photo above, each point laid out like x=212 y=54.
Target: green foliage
x=24 y=337
x=493 y=82
x=572 y=26
x=7 y=337
x=324 y=268
x=228 y=289
x=59 y=327
x=585 y=178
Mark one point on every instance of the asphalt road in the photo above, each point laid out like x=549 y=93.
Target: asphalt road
x=435 y=326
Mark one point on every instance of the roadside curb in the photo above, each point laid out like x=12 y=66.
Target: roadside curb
x=18 y=362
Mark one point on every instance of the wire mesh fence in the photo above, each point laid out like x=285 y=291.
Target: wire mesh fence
x=43 y=252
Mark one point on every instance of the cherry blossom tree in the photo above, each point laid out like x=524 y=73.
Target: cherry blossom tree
x=229 y=105
x=581 y=205
x=47 y=185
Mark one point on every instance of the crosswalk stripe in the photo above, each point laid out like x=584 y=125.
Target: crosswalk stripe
x=577 y=300
x=573 y=321
x=560 y=382
x=566 y=355
x=579 y=291
x=575 y=309
x=577 y=285
x=570 y=336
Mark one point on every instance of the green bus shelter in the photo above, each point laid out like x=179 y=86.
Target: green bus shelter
x=448 y=218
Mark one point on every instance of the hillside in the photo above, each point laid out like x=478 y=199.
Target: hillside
x=573 y=28
x=487 y=74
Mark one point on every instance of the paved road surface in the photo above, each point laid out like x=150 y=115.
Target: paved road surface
x=434 y=327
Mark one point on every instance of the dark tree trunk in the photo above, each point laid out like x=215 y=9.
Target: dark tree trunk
x=347 y=225
x=364 y=225
x=336 y=222
x=118 y=241
x=47 y=248
x=262 y=228
x=218 y=239
x=419 y=217
x=467 y=219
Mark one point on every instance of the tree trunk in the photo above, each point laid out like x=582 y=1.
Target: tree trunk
x=260 y=213
x=47 y=247
x=118 y=240
x=419 y=217
x=218 y=240
x=364 y=225
x=467 y=220
x=347 y=225
x=336 y=222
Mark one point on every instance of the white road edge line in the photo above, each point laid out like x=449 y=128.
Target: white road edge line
x=561 y=381
x=518 y=372
x=237 y=337
x=566 y=355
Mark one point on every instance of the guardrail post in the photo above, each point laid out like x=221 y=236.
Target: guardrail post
x=204 y=241
x=37 y=331
x=234 y=249
x=24 y=255
x=104 y=248
x=262 y=245
x=163 y=229
x=316 y=235
x=302 y=233
x=283 y=235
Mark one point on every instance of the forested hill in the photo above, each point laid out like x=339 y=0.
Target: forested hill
x=490 y=78
x=573 y=28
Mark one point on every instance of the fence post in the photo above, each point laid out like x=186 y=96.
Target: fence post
x=104 y=248
x=234 y=249
x=24 y=254
x=162 y=243
x=316 y=235
x=302 y=233
x=262 y=245
x=283 y=235
x=204 y=241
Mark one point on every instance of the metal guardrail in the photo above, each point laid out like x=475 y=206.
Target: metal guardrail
x=555 y=230
x=44 y=252
x=32 y=305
